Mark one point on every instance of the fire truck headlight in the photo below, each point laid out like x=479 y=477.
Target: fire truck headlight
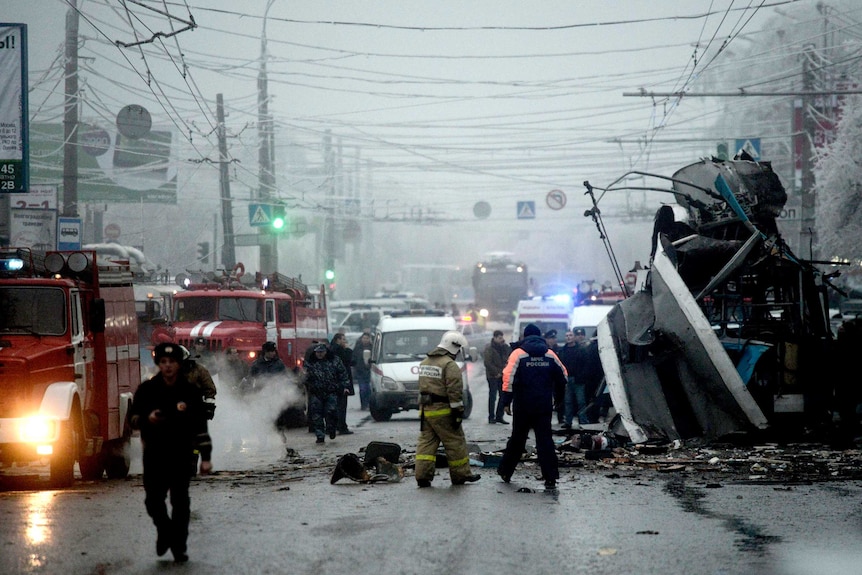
x=484 y=312
x=37 y=429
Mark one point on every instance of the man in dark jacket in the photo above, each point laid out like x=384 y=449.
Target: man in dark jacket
x=495 y=355
x=361 y=370
x=268 y=366
x=169 y=412
x=345 y=354
x=574 y=356
x=529 y=379
x=325 y=379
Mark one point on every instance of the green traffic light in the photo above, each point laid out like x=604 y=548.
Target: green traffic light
x=329 y=274
x=278 y=223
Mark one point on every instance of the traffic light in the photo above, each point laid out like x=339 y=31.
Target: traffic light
x=204 y=252
x=329 y=275
x=279 y=221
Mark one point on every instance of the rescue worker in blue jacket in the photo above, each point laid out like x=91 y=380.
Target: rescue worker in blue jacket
x=169 y=411
x=441 y=405
x=529 y=379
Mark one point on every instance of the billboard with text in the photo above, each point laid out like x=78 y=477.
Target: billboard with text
x=111 y=167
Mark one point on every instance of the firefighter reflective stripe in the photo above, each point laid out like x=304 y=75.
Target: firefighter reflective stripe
x=458 y=462
x=456 y=405
x=426 y=457
x=437 y=412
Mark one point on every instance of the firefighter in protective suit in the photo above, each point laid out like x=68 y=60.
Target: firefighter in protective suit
x=441 y=404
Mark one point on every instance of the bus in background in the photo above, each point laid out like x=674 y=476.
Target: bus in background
x=499 y=283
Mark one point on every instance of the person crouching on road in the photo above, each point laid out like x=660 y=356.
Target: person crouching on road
x=441 y=404
x=532 y=373
x=169 y=412
x=325 y=379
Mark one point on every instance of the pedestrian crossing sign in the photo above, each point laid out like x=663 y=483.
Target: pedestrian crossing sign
x=749 y=145
x=259 y=215
x=526 y=210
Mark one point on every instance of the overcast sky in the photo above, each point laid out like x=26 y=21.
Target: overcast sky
x=446 y=103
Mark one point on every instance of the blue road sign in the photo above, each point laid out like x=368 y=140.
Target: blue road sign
x=526 y=210
x=68 y=233
x=750 y=145
x=259 y=215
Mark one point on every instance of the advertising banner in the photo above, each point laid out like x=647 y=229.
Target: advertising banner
x=33 y=229
x=111 y=167
x=13 y=108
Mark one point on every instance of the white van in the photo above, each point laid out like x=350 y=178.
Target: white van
x=400 y=342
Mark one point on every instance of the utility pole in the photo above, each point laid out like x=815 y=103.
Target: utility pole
x=228 y=253
x=70 y=115
x=266 y=156
x=809 y=128
x=329 y=225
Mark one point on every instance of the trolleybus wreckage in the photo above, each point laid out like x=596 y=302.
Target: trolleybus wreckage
x=727 y=333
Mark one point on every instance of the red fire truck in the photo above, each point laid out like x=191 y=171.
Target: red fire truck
x=69 y=363
x=233 y=312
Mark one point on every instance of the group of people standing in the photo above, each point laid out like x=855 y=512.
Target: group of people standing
x=172 y=408
x=530 y=380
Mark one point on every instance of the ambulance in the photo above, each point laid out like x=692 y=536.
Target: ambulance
x=560 y=314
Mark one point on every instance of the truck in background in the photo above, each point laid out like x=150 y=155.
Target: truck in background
x=235 y=311
x=499 y=283
x=69 y=363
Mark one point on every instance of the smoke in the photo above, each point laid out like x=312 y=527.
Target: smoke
x=244 y=429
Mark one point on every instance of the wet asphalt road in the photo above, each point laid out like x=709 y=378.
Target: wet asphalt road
x=265 y=513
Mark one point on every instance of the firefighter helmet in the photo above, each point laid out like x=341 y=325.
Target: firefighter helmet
x=171 y=350
x=452 y=341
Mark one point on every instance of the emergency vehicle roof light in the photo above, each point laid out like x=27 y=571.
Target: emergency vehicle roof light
x=562 y=298
x=11 y=265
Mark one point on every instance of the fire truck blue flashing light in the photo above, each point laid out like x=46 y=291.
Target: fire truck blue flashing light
x=11 y=265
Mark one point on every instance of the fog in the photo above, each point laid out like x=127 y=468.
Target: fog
x=391 y=122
